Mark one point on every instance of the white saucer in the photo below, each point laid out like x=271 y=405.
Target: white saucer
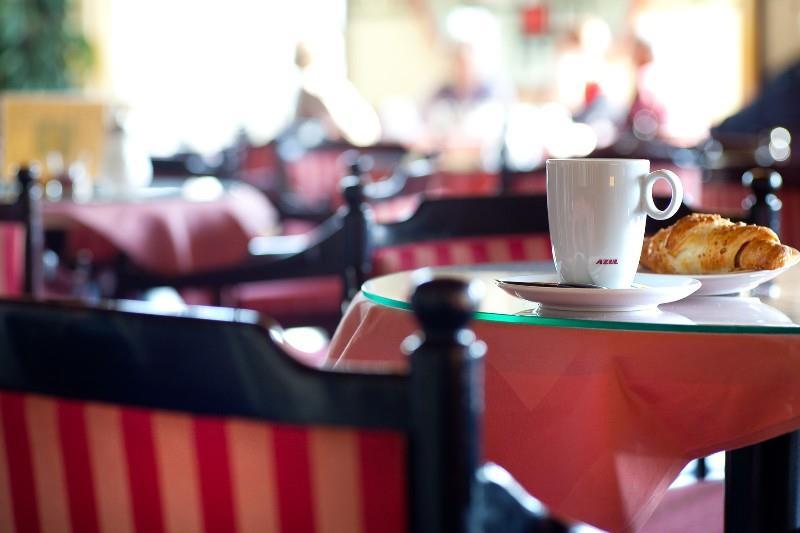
x=718 y=284
x=653 y=290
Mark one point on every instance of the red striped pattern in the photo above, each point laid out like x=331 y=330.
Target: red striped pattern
x=77 y=468
x=80 y=467
x=293 y=476
x=140 y=454
x=19 y=465
x=215 y=477
x=12 y=258
x=494 y=249
x=384 y=499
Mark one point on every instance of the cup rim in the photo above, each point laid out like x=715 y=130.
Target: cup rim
x=619 y=160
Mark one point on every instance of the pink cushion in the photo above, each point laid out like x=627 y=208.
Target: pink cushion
x=290 y=298
x=89 y=467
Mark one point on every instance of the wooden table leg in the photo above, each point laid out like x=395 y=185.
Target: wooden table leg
x=761 y=486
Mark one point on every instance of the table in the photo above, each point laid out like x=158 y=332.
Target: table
x=596 y=414
x=168 y=228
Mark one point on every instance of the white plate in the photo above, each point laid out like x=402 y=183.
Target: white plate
x=719 y=284
x=730 y=311
x=652 y=290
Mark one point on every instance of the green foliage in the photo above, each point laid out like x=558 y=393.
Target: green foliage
x=40 y=46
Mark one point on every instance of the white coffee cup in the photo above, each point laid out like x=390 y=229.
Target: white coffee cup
x=597 y=210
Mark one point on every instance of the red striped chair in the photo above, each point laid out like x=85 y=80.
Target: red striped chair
x=21 y=239
x=462 y=230
x=303 y=183
x=440 y=232
x=299 y=280
x=126 y=421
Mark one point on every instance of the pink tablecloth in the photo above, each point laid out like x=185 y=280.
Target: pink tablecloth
x=598 y=423
x=167 y=235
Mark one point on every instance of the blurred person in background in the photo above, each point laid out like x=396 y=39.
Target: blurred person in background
x=328 y=106
x=583 y=71
x=646 y=114
x=592 y=84
x=463 y=120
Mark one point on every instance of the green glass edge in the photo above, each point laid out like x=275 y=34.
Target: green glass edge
x=600 y=324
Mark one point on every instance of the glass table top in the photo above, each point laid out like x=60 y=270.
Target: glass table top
x=771 y=308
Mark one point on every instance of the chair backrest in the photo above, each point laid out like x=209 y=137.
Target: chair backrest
x=336 y=247
x=309 y=176
x=125 y=420
x=442 y=231
x=460 y=230
x=21 y=239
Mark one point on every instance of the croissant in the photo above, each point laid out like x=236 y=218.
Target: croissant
x=710 y=244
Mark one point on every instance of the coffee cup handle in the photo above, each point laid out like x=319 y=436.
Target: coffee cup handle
x=677 y=194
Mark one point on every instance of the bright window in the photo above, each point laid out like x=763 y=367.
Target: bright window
x=193 y=72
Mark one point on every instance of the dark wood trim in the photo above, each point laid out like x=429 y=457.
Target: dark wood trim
x=446 y=406
x=183 y=363
x=447 y=218
x=761 y=486
x=26 y=210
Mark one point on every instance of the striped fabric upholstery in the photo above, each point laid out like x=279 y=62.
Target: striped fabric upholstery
x=12 y=258
x=87 y=467
x=464 y=251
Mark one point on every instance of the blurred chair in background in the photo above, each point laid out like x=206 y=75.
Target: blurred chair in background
x=21 y=237
x=303 y=182
x=305 y=279
x=463 y=119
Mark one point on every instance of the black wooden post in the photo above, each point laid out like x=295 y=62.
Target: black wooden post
x=764 y=207
x=446 y=405
x=761 y=487
x=30 y=211
x=356 y=237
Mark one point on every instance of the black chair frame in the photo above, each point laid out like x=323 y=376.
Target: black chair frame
x=26 y=210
